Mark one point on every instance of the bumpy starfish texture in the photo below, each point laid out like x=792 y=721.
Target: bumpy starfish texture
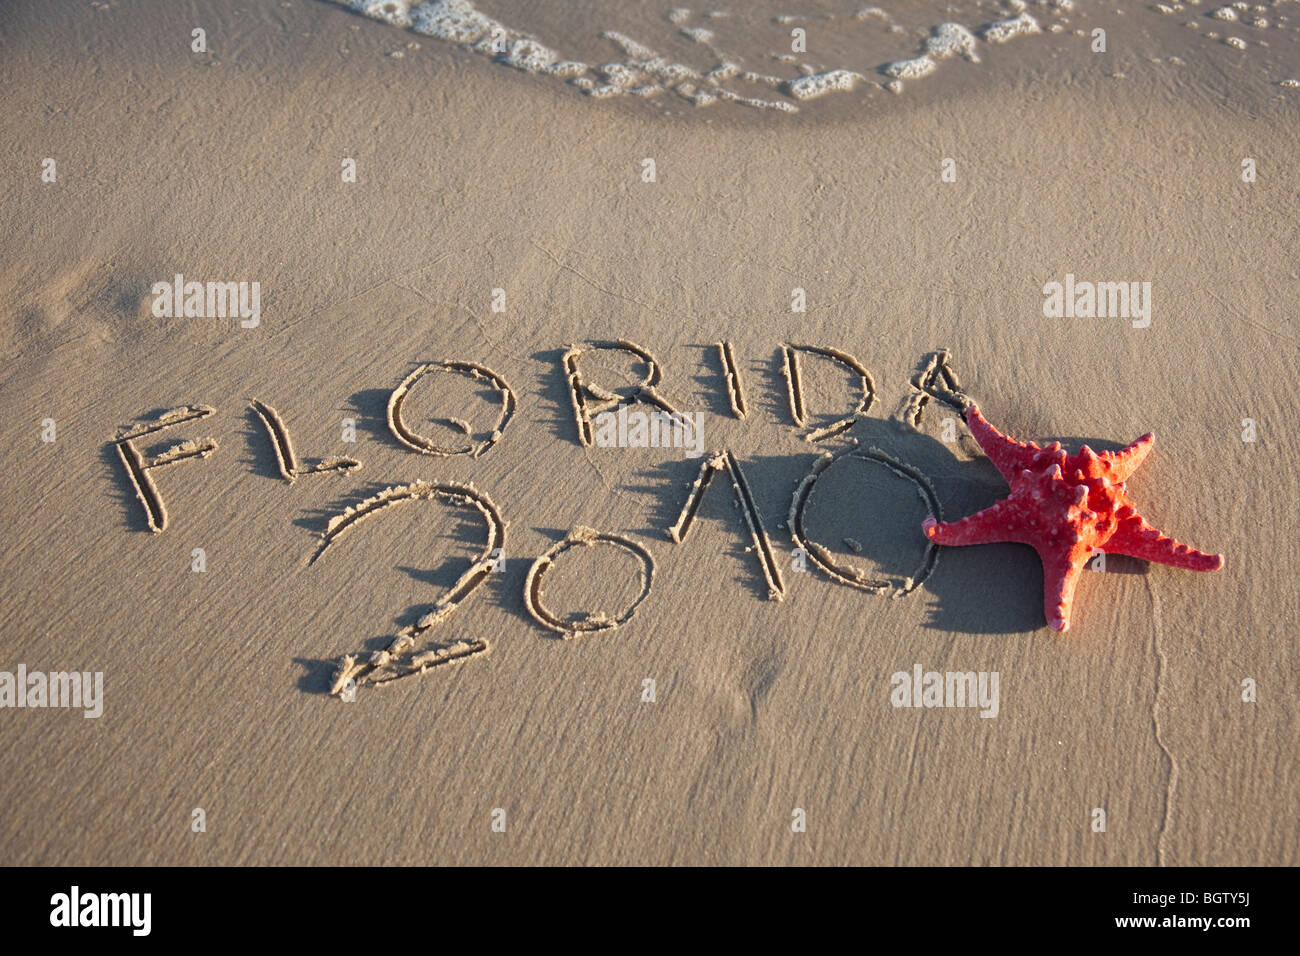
x=1066 y=507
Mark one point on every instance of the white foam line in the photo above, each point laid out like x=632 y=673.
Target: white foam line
x=645 y=73
x=1000 y=31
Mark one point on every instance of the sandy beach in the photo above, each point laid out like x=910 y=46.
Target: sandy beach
x=416 y=207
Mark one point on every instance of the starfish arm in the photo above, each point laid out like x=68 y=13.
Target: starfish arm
x=1137 y=539
x=1125 y=461
x=995 y=523
x=1008 y=456
x=1061 y=571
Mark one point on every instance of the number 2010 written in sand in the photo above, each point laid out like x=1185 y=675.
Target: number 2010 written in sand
x=406 y=655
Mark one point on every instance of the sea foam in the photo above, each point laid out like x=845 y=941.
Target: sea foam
x=1001 y=31
x=644 y=72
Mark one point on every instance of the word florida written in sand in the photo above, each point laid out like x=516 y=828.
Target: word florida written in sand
x=599 y=412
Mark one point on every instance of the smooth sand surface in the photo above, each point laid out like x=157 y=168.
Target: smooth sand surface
x=473 y=177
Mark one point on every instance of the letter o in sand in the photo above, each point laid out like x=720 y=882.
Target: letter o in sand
x=822 y=557
x=581 y=537
x=427 y=446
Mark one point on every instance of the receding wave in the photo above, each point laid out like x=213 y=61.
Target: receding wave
x=761 y=58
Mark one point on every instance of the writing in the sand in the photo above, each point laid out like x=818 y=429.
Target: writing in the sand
x=601 y=415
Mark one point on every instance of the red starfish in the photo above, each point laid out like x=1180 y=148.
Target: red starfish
x=1065 y=507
